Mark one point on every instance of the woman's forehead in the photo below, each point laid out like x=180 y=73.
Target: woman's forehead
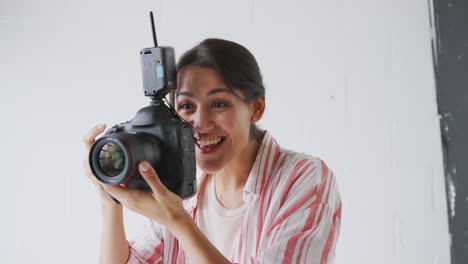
x=199 y=81
x=194 y=77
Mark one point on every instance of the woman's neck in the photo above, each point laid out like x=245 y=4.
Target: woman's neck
x=234 y=175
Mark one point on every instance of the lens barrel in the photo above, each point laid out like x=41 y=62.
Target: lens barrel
x=114 y=157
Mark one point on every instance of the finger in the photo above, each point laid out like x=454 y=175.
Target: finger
x=117 y=191
x=88 y=139
x=89 y=173
x=151 y=177
x=131 y=198
x=91 y=176
x=85 y=163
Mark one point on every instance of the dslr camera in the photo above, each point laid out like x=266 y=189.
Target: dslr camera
x=156 y=134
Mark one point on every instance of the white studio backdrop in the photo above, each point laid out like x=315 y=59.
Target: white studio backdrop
x=348 y=81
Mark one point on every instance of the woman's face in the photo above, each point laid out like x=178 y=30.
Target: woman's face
x=222 y=118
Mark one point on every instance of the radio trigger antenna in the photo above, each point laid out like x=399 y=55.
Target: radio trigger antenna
x=153 y=29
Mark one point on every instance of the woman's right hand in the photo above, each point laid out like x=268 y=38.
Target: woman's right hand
x=88 y=140
x=114 y=245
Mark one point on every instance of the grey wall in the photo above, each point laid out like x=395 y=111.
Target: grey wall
x=450 y=41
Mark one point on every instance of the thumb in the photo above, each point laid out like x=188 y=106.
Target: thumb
x=151 y=177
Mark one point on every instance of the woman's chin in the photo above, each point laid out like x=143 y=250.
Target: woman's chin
x=208 y=166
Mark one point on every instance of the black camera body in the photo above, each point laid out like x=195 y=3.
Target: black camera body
x=156 y=134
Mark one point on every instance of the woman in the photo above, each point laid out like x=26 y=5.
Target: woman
x=256 y=203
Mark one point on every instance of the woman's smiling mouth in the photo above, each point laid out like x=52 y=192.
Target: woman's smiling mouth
x=209 y=145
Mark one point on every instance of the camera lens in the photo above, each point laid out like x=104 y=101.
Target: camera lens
x=114 y=158
x=111 y=159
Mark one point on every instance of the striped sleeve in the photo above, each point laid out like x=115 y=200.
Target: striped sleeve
x=307 y=223
x=148 y=248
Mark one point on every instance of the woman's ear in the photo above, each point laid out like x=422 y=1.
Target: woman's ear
x=257 y=108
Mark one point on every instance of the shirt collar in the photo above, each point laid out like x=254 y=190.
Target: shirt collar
x=263 y=160
x=254 y=183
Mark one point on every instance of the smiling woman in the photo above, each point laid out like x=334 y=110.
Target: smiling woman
x=256 y=202
x=221 y=115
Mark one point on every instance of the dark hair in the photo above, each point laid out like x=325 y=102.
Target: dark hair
x=236 y=66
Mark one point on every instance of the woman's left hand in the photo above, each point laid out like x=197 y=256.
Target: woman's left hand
x=166 y=208
x=162 y=205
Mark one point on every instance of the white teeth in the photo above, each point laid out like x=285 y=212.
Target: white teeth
x=212 y=141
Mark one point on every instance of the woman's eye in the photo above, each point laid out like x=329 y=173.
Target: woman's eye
x=185 y=106
x=219 y=105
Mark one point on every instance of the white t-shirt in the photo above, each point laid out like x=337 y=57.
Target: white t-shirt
x=220 y=225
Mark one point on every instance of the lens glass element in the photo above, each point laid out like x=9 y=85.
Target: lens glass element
x=111 y=159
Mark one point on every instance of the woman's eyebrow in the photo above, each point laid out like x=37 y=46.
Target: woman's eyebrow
x=214 y=91
x=184 y=93
x=219 y=90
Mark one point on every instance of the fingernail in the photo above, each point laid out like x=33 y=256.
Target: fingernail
x=144 y=167
x=101 y=126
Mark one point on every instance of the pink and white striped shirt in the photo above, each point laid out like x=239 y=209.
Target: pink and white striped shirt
x=293 y=214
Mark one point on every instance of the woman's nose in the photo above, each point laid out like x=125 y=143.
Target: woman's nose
x=202 y=121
